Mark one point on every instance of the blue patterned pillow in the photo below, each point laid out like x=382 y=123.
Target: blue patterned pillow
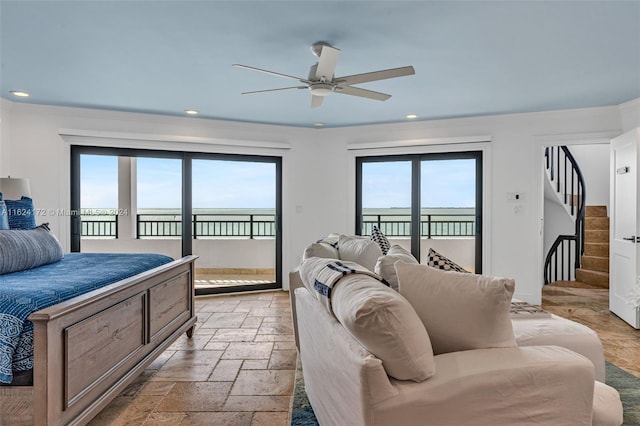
x=4 y=218
x=22 y=214
x=29 y=248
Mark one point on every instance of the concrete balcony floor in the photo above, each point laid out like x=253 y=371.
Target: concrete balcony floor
x=207 y=278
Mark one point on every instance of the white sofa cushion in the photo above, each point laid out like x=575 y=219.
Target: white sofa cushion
x=360 y=250
x=385 y=264
x=320 y=249
x=385 y=324
x=460 y=311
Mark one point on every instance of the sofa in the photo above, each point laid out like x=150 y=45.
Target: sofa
x=371 y=357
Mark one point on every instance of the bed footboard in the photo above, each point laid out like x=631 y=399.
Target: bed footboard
x=88 y=349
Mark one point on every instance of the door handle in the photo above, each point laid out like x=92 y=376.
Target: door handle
x=632 y=238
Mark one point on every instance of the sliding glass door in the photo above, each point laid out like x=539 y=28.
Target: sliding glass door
x=234 y=211
x=423 y=202
x=386 y=199
x=223 y=208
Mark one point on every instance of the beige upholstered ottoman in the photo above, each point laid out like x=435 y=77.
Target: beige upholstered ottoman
x=558 y=331
x=607 y=407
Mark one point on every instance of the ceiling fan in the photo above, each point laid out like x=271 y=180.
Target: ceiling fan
x=321 y=81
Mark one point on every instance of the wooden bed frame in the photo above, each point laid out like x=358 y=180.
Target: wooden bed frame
x=89 y=348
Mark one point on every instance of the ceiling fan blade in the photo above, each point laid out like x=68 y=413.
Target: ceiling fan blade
x=356 y=91
x=375 y=75
x=277 y=74
x=327 y=63
x=274 y=90
x=316 y=101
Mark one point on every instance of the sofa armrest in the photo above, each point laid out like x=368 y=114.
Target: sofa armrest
x=525 y=386
x=339 y=373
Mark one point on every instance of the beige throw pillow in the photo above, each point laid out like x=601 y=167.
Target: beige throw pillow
x=385 y=264
x=360 y=250
x=386 y=325
x=460 y=311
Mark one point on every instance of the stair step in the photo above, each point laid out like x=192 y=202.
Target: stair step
x=597 y=278
x=572 y=284
x=596 y=223
x=593 y=211
x=596 y=249
x=596 y=236
x=595 y=263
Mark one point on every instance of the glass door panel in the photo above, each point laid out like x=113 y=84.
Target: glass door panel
x=157 y=201
x=448 y=210
x=386 y=200
x=234 y=224
x=98 y=199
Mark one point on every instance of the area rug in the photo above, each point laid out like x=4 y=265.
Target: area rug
x=301 y=412
x=627 y=384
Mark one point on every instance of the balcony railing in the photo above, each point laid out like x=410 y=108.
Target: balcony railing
x=207 y=226
x=431 y=225
x=263 y=226
x=102 y=227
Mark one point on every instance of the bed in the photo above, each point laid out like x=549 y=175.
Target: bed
x=88 y=347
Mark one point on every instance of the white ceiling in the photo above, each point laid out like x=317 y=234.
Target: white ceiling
x=471 y=58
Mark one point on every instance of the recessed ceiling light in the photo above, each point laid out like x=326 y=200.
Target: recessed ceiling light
x=191 y=111
x=318 y=124
x=411 y=116
x=19 y=93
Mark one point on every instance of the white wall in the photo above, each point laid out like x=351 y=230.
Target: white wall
x=319 y=167
x=556 y=222
x=211 y=253
x=630 y=112
x=593 y=160
x=459 y=250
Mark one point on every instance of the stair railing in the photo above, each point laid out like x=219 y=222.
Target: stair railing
x=564 y=256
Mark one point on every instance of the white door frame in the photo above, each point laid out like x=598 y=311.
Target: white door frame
x=542 y=142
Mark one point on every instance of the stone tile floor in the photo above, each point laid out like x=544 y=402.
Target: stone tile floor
x=238 y=369
x=589 y=305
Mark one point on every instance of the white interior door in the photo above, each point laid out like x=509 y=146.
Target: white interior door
x=624 y=234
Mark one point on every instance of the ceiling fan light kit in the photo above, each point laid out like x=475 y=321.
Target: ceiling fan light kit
x=321 y=81
x=321 y=89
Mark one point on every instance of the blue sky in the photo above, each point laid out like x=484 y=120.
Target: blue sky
x=443 y=183
x=216 y=184
x=239 y=184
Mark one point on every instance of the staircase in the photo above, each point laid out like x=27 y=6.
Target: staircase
x=594 y=268
x=565 y=255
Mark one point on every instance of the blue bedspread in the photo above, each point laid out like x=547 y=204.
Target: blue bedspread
x=24 y=292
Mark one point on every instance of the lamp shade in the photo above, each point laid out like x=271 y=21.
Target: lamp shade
x=14 y=188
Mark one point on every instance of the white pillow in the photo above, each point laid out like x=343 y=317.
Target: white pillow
x=320 y=249
x=460 y=311
x=385 y=264
x=360 y=250
x=386 y=325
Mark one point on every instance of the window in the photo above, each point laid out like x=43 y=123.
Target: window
x=424 y=201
